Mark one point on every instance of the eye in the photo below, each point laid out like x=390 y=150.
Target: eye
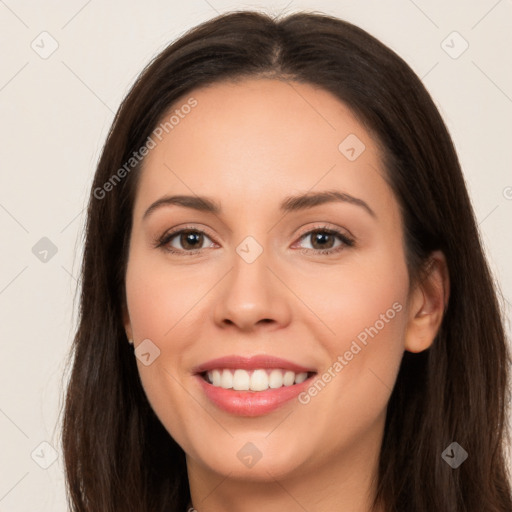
x=190 y=241
x=323 y=240
x=183 y=241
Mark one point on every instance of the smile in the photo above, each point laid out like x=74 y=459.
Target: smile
x=257 y=380
x=252 y=385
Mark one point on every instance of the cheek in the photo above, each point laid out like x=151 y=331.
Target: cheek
x=364 y=306
x=159 y=297
x=356 y=299
x=158 y=304
x=352 y=391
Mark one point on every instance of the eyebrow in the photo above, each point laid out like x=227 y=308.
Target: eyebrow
x=289 y=204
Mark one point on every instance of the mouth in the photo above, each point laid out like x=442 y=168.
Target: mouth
x=250 y=402
x=252 y=386
x=256 y=381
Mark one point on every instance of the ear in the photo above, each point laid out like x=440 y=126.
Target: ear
x=427 y=304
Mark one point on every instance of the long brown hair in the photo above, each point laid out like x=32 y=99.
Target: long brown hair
x=118 y=456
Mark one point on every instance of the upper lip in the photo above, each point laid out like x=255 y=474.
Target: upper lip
x=250 y=363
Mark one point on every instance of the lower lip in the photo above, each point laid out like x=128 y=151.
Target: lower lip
x=251 y=403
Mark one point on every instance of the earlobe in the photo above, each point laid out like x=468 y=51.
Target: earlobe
x=427 y=305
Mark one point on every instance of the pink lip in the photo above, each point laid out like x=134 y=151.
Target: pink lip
x=250 y=363
x=251 y=403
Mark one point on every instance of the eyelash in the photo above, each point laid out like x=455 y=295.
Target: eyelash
x=162 y=241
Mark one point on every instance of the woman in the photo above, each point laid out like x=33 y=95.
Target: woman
x=284 y=299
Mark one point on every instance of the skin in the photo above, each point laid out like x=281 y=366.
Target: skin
x=247 y=146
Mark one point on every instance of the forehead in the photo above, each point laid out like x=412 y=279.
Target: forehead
x=258 y=140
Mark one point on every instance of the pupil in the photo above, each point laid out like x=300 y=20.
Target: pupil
x=189 y=238
x=322 y=236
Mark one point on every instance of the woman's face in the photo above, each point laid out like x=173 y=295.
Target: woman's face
x=250 y=280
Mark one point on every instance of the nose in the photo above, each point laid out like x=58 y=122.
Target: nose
x=251 y=295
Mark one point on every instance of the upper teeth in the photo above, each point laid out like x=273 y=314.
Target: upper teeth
x=256 y=380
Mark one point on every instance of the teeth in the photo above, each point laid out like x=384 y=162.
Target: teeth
x=241 y=380
x=257 y=380
x=300 y=377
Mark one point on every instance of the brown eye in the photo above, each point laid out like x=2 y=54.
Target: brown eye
x=190 y=240
x=183 y=241
x=323 y=241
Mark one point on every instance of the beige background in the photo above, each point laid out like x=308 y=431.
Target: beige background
x=55 y=113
